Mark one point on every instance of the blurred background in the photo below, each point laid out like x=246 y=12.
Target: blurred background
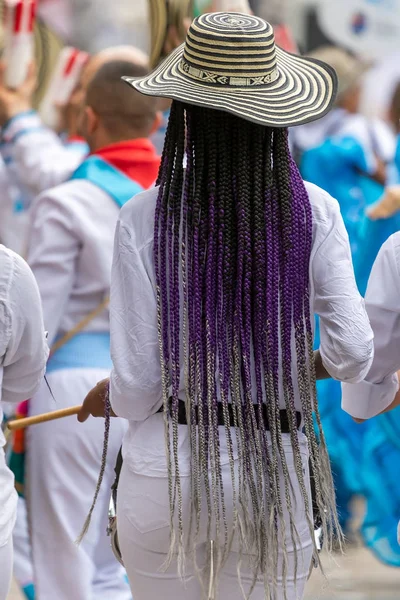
x=369 y=28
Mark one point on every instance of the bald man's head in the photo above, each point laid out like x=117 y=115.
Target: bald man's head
x=122 y=112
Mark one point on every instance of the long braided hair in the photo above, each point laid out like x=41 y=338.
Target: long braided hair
x=233 y=230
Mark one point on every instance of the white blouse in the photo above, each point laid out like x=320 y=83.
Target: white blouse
x=346 y=336
x=23 y=356
x=377 y=391
x=70 y=253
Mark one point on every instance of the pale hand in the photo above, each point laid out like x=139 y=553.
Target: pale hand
x=15 y=101
x=94 y=402
x=388 y=205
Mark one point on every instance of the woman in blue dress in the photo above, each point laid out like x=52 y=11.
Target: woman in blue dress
x=351 y=164
x=381 y=448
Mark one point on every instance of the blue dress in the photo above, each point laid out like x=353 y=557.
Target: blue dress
x=364 y=458
x=381 y=448
x=380 y=475
x=340 y=167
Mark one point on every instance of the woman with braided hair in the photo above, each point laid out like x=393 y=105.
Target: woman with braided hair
x=217 y=272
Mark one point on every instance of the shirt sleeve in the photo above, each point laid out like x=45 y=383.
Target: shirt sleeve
x=377 y=391
x=135 y=383
x=346 y=344
x=36 y=155
x=53 y=250
x=26 y=354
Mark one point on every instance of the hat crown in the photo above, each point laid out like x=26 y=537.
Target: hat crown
x=230 y=49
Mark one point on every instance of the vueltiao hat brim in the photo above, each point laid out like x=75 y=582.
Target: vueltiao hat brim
x=304 y=90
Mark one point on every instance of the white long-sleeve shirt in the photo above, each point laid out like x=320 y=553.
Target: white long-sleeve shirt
x=346 y=336
x=23 y=356
x=40 y=160
x=377 y=391
x=70 y=253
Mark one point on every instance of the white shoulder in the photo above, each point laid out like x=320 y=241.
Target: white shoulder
x=18 y=289
x=137 y=216
x=13 y=269
x=324 y=206
x=144 y=202
x=6 y=257
x=15 y=275
x=70 y=204
x=326 y=216
x=64 y=193
x=390 y=252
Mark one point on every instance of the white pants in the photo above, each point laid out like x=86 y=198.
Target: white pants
x=143 y=533
x=6 y=566
x=63 y=463
x=23 y=570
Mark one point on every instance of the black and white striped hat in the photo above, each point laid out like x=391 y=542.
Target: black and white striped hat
x=230 y=62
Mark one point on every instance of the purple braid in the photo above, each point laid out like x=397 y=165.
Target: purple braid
x=233 y=240
x=319 y=458
x=162 y=305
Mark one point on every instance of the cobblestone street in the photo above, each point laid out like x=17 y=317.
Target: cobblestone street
x=356 y=576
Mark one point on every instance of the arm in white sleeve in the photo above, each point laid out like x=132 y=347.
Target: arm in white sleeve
x=377 y=391
x=346 y=337
x=40 y=160
x=135 y=382
x=53 y=250
x=26 y=354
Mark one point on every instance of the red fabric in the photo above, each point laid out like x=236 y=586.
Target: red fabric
x=76 y=138
x=284 y=39
x=135 y=158
x=19 y=12
x=71 y=61
x=32 y=16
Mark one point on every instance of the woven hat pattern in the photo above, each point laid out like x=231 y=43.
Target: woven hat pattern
x=230 y=62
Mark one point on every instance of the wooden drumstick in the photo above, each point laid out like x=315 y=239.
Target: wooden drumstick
x=50 y=416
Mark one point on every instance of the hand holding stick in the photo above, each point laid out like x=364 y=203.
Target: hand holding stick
x=50 y=416
x=93 y=405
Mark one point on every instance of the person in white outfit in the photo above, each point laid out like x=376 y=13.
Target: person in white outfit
x=216 y=274
x=23 y=356
x=374 y=135
x=70 y=252
x=34 y=159
x=38 y=157
x=376 y=393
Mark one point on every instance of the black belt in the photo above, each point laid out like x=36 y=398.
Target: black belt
x=233 y=419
